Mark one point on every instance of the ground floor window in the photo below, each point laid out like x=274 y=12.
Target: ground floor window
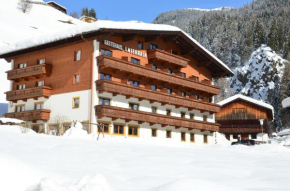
x=192 y=137
x=133 y=131
x=104 y=127
x=118 y=129
x=183 y=136
x=254 y=136
x=168 y=134
x=154 y=132
x=66 y=126
x=205 y=141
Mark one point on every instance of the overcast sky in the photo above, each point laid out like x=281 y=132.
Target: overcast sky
x=146 y=11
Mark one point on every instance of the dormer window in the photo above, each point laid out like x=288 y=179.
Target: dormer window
x=78 y=55
x=41 y=61
x=23 y=65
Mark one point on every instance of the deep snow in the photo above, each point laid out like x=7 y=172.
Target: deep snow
x=41 y=162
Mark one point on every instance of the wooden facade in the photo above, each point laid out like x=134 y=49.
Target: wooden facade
x=240 y=117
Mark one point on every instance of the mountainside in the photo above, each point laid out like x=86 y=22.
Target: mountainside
x=235 y=36
x=16 y=25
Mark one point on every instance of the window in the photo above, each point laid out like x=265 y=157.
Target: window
x=183 y=94
x=78 y=55
x=105 y=52
x=154 y=109
x=134 y=106
x=169 y=71
x=40 y=83
x=205 y=118
x=77 y=78
x=254 y=136
x=104 y=128
x=154 y=67
x=153 y=46
x=183 y=136
x=104 y=101
x=168 y=112
x=20 y=86
x=133 y=131
x=76 y=102
x=19 y=108
x=168 y=134
x=135 y=61
x=154 y=132
x=196 y=97
x=191 y=116
x=118 y=129
x=182 y=114
x=105 y=76
x=153 y=87
x=183 y=75
x=140 y=45
x=196 y=78
x=41 y=61
x=38 y=106
x=205 y=141
x=134 y=83
x=169 y=91
x=192 y=137
x=23 y=65
x=235 y=136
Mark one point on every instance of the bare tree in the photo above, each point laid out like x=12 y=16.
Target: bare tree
x=24 y=126
x=58 y=120
x=74 y=15
x=24 y=5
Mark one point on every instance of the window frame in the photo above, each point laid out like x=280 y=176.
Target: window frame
x=191 y=116
x=170 y=112
x=134 y=83
x=104 y=98
x=105 y=76
x=24 y=65
x=152 y=130
x=133 y=127
x=153 y=46
x=73 y=102
x=40 y=81
x=135 y=61
x=105 y=52
x=155 y=109
x=109 y=127
x=205 y=118
x=75 y=79
x=132 y=103
x=138 y=45
x=154 y=86
x=154 y=67
x=183 y=136
x=76 y=55
x=205 y=139
x=38 y=103
x=39 y=61
x=192 y=137
x=182 y=114
x=119 y=124
x=21 y=106
x=170 y=134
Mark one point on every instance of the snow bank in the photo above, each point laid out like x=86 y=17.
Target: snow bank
x=10 y=120
x=221 y=139
x=190 y=184
x=284 y=132
x=87 y=183
x=76 y=131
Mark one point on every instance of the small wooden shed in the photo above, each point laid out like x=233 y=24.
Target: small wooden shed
x=239 y=117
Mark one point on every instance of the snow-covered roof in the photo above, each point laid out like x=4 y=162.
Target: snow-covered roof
x=11 y=120
x=56 y=4
x=254 y=101
x=97 y=26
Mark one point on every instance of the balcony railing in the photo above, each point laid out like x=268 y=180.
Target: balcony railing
x=155 y=96
x=234 y=130
x=167 y=57
x=122 y=65
x=25 y=94
x=33 y=115
x=146 y=117
x=41 y=69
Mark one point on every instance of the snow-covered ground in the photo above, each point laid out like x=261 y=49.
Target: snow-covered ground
x=36 y=162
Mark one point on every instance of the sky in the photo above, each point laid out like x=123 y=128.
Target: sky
x=146 y=11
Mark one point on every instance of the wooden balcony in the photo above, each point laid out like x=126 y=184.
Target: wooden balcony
x=25 y=94
x=32 y=71
x=164 y=56
x=146 y=117
x=33 y=115
x=121 y=65
x=154 y=96
x=239 y=130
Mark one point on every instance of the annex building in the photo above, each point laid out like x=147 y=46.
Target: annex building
x=138 y=80
x=240 y=117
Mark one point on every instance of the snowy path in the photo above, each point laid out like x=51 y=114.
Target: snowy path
x=131 y=164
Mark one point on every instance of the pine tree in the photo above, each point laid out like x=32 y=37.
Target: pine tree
x=92 y=13
x=85 y=11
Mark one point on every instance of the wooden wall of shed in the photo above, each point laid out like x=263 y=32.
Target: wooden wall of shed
x=252 y=111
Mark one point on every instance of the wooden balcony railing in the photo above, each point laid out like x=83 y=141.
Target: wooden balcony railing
x=118 y=64
x=33 y=115
x=242 y=130
x=25 y=94
x=40 y=69
x=146 y=117
x=155 y=96
x=167 y=57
